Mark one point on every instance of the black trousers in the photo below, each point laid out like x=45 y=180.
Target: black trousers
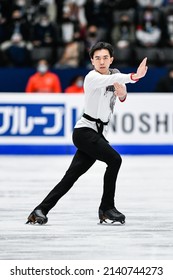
x=91 y=147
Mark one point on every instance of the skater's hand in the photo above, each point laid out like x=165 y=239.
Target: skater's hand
x=141 y=71
x=120 y=91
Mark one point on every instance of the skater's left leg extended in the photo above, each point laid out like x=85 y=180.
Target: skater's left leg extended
x=79 y=165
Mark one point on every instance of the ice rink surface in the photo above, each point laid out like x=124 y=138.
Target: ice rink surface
x=144 y=194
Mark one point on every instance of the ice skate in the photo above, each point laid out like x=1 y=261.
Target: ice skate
x=111 y=214
x=37 y=216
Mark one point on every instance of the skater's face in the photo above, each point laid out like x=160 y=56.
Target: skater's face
x=101 y=61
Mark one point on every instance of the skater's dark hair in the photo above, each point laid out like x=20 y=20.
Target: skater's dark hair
x=100 y=46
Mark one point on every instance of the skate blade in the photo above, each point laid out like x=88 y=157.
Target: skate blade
x=40 y=223
x=108 y=222
x=117 y=224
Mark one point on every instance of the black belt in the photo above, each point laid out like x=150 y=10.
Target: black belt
x=98 y=122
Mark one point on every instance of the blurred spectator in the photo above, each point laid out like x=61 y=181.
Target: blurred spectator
x=44 y=39
x=165 y=84
x=168 y=40
x=123 y=39
x=92 y=36
x=76 y=85
x=71 y=55
x=19 y=24
x=150 y=13
x=20 y=5
x=16 y=52
x=43 y=81
x=81 y=12
x=123 y=31
x=50 y=7
x=16 y=46
x=169 y=27
x=35 y=8
x=44 y=32
x=148 y=33
x=3 y=28
x=98 y=13
x=77 y=11
x=69 y=25
x=70 y=46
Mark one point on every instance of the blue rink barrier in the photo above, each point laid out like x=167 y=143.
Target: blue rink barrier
x=70 y=149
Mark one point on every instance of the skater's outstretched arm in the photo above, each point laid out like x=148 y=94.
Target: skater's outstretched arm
x=141 y=70
x=120 y=89
x=95 y=79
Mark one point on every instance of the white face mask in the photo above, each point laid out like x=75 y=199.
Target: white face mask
x=42 y=68
x=79 y=83
x=21 y=3
x=44 y=22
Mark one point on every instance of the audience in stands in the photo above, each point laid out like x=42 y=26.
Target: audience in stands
x=63 y=30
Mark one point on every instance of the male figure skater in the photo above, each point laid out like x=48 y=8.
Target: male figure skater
x=101 y=87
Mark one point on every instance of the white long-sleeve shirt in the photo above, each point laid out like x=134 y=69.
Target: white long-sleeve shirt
x=100 y=96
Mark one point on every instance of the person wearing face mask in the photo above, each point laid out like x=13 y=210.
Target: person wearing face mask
x=20 y=5
x=76 y=85
x=17 y=45
x=43 y=81
x=148 y=31
x=44 y=32
x=18 y=24
x=93 y=35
